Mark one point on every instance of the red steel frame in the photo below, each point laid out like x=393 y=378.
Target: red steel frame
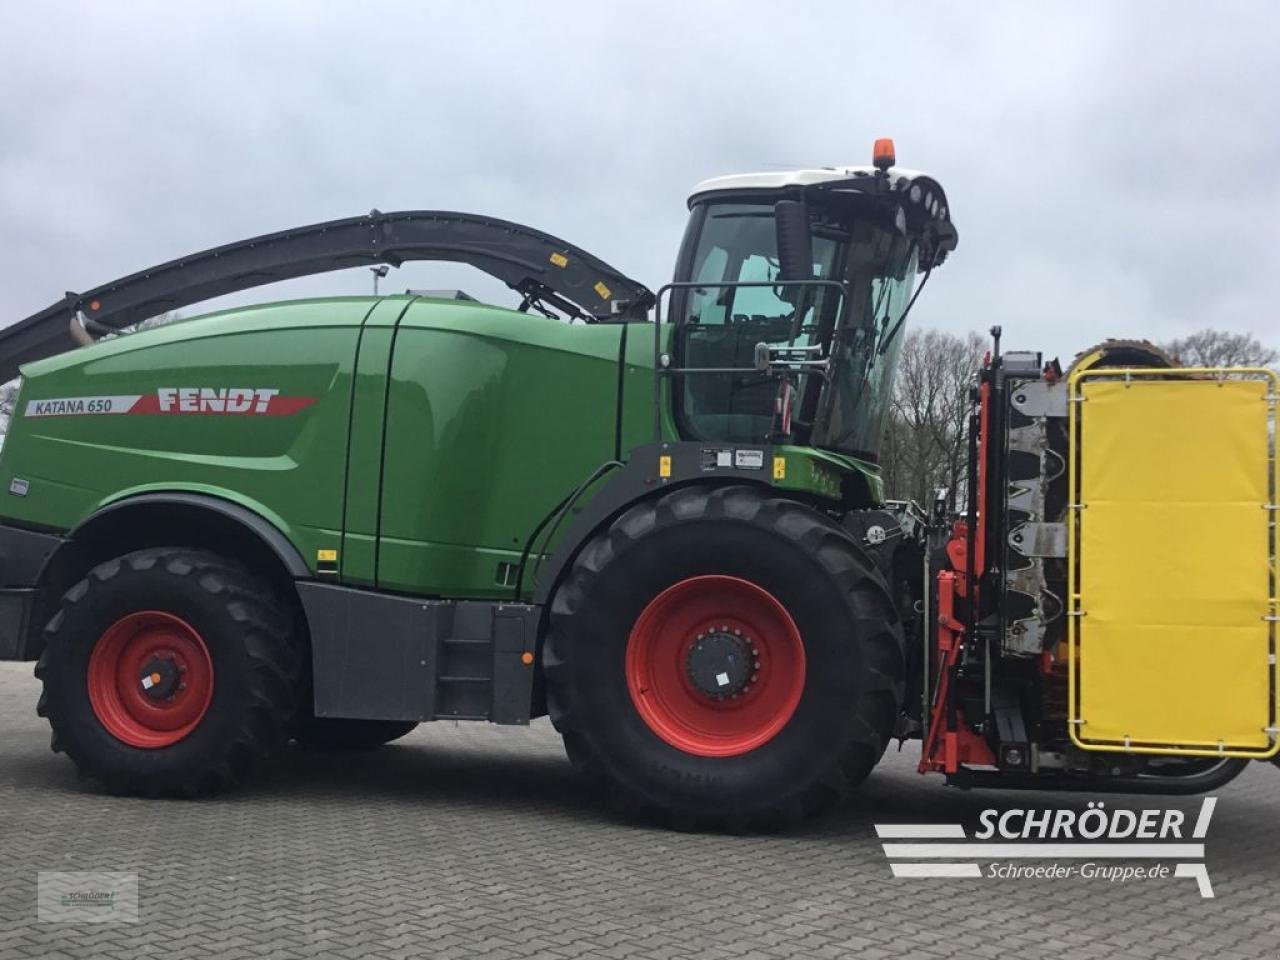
x=949 y=741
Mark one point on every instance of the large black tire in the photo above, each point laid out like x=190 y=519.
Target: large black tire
x=852 y=644
x=329 y=733
x=254 y=665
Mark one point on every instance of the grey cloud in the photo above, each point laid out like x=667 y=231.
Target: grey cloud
x=1111 y=167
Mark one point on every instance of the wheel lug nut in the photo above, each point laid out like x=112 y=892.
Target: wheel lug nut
x=182 y=686
x=737 y=633
x=182 y=669
x=755 y=652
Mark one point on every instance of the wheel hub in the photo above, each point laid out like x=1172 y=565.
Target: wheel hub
x=721 y=663
x=159 y=678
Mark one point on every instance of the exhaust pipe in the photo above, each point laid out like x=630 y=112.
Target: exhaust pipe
x=83 y=329
x=78 y=332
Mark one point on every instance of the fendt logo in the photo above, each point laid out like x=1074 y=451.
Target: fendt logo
x=1093 y=844
x=241 y=401
x=216 y=400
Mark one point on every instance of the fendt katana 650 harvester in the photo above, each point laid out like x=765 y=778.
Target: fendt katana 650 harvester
x=656 y=517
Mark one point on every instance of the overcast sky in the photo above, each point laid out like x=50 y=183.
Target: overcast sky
x=1113 y=169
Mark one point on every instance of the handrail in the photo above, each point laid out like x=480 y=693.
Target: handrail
x=661 y=369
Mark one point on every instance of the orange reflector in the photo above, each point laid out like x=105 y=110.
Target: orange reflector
x=882 y=154
x=156 y=678
x=95 y=304
x=526 y=658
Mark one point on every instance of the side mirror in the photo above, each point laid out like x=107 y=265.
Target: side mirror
x=795 y=245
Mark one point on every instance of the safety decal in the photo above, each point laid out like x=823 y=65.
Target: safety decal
x=243 y=401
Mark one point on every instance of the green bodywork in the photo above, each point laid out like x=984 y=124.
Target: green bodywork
x=423 y=440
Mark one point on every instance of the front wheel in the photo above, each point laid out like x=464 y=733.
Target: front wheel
x=169 y=672
x=726 y=658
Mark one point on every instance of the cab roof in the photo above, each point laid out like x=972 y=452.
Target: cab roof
x=777 y=179
x=918 y=197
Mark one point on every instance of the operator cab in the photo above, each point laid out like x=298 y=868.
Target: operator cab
x=790 y=296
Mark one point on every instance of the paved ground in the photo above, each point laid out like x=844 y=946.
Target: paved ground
x=471 y=841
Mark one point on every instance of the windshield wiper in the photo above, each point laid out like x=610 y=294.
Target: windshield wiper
x=888 y=337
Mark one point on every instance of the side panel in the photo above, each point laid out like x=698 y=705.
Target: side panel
x=437 y=659
x=494 y=417
x=399 y=683
x=1173 y=565
x=258 y=416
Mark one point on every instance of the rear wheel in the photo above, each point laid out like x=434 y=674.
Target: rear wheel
x=724 y=658
x=329 y=733
x=168 y=672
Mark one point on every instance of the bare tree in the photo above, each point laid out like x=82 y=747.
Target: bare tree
x=1222 y=348
x=925 y=445
x=8 y=397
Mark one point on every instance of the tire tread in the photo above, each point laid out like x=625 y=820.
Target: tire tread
x=274 y=674
x=879 y=638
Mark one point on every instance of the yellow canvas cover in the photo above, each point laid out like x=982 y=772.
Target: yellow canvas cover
x=1171 y=551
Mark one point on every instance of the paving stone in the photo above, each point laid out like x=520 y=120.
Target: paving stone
x=475 y=842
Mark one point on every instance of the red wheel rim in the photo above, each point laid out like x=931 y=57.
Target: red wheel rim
x=665 y=686
x=150 y=679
